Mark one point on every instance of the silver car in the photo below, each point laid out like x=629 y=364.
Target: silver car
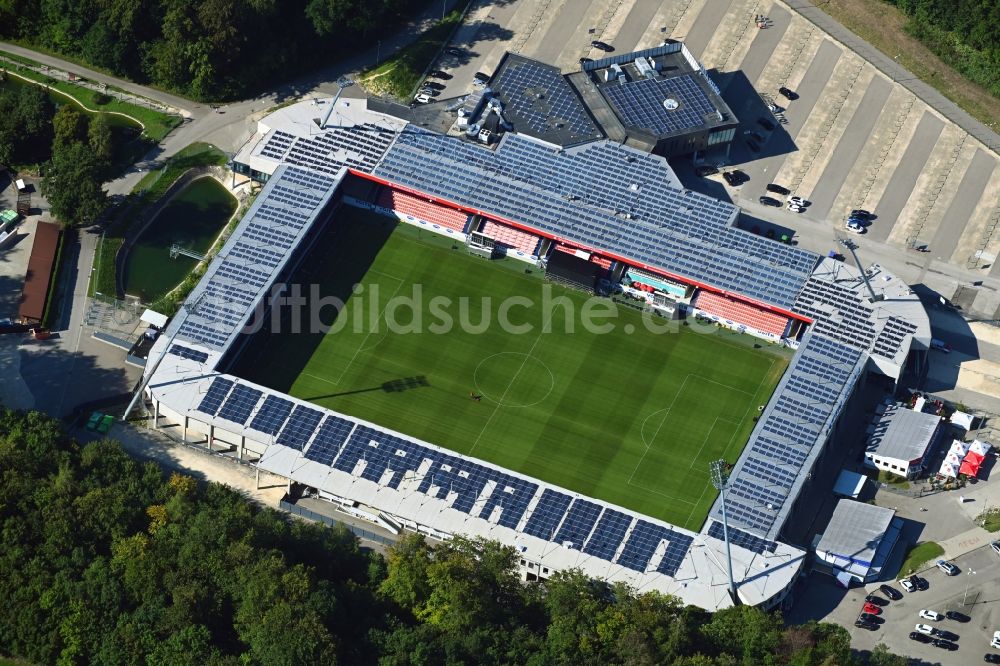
x=947 y=567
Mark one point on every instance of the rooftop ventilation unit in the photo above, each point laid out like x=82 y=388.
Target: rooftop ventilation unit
x=670 y=104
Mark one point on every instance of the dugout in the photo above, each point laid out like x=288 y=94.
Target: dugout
x=573 y=271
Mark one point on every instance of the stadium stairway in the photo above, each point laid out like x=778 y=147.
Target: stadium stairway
x=741 y=313
x=408 y=204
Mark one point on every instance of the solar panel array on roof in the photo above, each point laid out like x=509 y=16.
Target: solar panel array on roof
x=742 y=539
x=359 y=147
x=262 y=241
x=640 y=103
x=770 y=471
x=540 y=102
x=240 y=404
x=272 y=415
x=608 y=534
x=644 y=542
x=603 y=197
x=851 y=322
x=277 y=145
x=217 y=392
x=894 y=331
x=300 y=427
x=188 y=353
x=579 y=521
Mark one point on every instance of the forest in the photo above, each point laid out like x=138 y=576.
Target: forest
x=204 y=49
x=963 y=33
x=108 y=560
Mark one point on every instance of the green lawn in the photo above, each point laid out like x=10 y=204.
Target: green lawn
x=920 y=555
x=631 y=418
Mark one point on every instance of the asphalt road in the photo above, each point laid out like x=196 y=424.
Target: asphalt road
x=764 y=44
x=705 y=26
x=976 y=177
x=854 y=139
x=904 y=178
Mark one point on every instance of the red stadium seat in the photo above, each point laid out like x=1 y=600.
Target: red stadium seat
x=741 y=313
x=407 y=204
x=511 y=237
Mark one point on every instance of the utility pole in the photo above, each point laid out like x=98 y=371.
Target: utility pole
x=720 y=479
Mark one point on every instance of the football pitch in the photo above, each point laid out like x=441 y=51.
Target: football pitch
x=630 y=416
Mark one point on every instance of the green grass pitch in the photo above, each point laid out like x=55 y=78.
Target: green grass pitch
x=630 y=418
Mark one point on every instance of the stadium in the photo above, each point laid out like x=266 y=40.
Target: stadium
x=581 y=450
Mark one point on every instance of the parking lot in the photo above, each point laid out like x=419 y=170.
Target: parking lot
x=853 y=138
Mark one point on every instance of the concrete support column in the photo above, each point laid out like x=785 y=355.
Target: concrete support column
x=257 y=471
x=156 y=414
x=239 y=449
x=184 y=429
x=211 y=436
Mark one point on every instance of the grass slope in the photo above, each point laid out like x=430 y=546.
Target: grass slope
x=633 y=419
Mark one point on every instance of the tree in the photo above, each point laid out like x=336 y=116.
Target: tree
x=406 y=572
x=880 y=656
x=72 y=184
x=99 y=138
x=69 y=126
x=747 y=633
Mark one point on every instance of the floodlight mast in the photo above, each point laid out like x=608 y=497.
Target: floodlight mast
x=185 y=310
x=342 y=83
x=852 y=246
x=720 y=479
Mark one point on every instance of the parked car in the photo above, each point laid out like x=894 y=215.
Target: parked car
x=926 y=629
x=996 y=640
x=422 y=98
x=757 y=136
x=947 y=567
x=479 y=76
x=602 y=46
x=858 y=229
x=933 y=616
x=798 y=201
x=766 y=124
x=907 y=584
x=945 y=645
x=778 y=189
x=735 y=177
x=861 y=624
x=795 y=209
x=704 y=171
x=860 y=221
x=873 y=598
x=861 y=212
x=956 y=616
x=920 y=638
x=868 y=617
x=584 y=61
x=991 y=658
x=753 y=145
x=995 y=545
x=438 y=74
x=451 y=50
x=788 y=94
x=770 y=201
x=890 y=592
x=433 y=85
x=871 y=608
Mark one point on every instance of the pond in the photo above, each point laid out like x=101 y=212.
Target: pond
x=193 y=220
x=125 y=132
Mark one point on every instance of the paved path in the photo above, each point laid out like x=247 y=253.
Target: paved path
x=897 y=73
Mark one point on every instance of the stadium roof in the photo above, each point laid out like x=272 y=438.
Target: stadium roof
x=789 y=435
x=903 y=434
x=606 y=198
x=223 y=302
x=539 y=102
x=444 y=493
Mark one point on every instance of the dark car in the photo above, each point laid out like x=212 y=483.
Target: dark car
x=921 y=583
x=860 y=221
x=956 y=616
x=873 y=598
x=451 y=50
x=433 y=85
x=438 y=74
x=860 y=212
x=991 y=658
x=868 y=617
x=753 y=145
x=757 y=136
x=945 y=645
x=946 y=635
x=598 y=44
x=735 y=177
x=766 y=124
x=706 y=171
x=770 y=201
x=584 y=61
x=890 y=592
x=919 y=637
x=861 y=624
x=783 y=191
x=788 y=94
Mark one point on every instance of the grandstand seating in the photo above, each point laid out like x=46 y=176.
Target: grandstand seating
x=511 y=237
x=407 y=204
x=741 y=313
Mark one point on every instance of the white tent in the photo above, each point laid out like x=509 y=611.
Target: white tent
x=982 y=448
x=962 y=420
x=959 y=448
x=154 y=318
x=948 y=469
x=954 y=459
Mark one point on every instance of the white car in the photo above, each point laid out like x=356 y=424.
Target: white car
x=795 y=208
x=854 y=228
x=933 y=616
x=947 y=567
x=995 y=545
x=925 y=629
x=798 y=201
x=422 y=98
x=907 y=584
x=996 y=640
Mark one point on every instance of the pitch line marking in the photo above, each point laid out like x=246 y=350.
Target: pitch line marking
x=365 y=340
x=509 y=384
